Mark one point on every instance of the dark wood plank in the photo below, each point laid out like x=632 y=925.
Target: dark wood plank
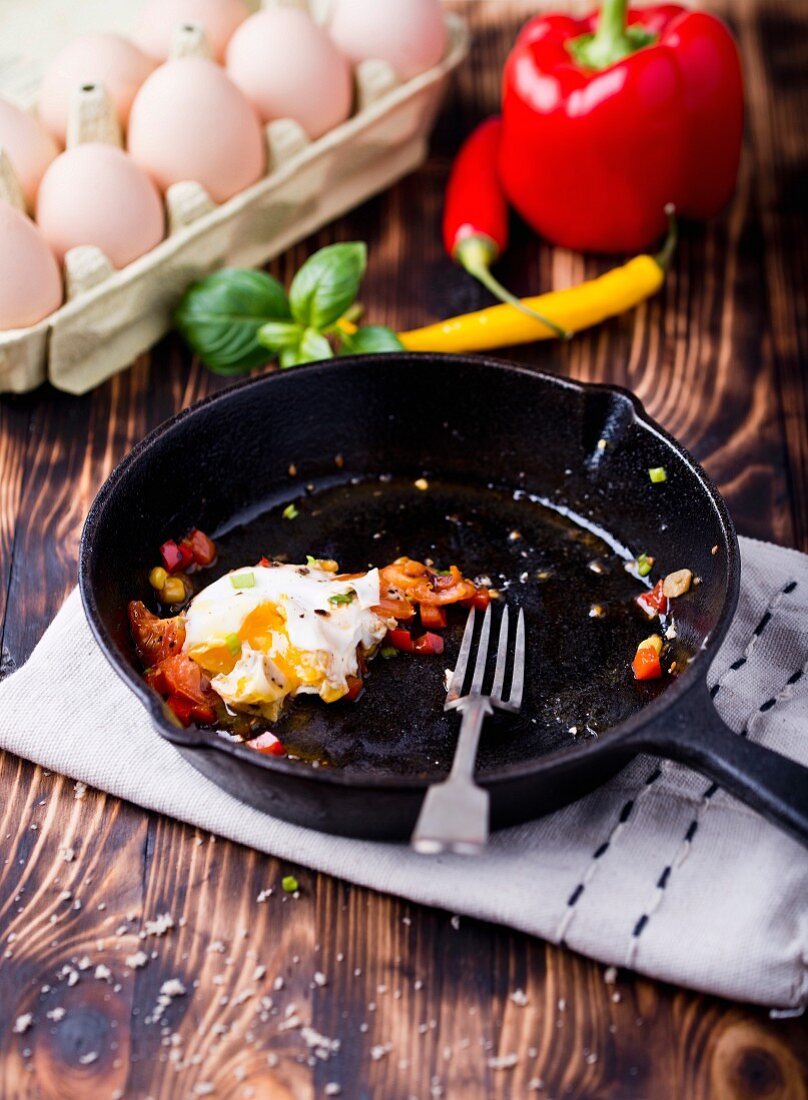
x=419 y=1004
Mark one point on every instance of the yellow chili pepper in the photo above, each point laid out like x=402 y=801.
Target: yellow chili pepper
x=574 y=309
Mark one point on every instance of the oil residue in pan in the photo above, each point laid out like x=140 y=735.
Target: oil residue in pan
x=583 y=625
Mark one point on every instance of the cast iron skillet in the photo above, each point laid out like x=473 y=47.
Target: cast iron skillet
x=493 y=440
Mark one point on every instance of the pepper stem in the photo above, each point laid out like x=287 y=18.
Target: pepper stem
x=665 y=254
x=475 y=255
x=612 y=41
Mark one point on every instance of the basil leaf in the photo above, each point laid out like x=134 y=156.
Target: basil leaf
x=327 y=284
x=370 y=339
x=219 y=318
x=280 y=334
x=289 y=357
x=314 y=346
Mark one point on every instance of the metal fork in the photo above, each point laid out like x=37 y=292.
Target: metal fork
x=454 y=816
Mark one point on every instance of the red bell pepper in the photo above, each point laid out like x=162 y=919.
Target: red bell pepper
x=609 y=118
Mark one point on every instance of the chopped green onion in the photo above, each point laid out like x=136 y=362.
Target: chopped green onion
x=342 y=597
x=388 y=651
x=658 y=474
x=311 y=562
x=233 y=644
x=644 y=565
x=290 y=884
x=444 y=572
x=290 y=512
x=243 y=580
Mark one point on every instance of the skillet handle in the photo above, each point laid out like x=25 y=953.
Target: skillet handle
x=694 y=734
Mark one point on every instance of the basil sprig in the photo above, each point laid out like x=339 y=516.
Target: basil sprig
x=236 y=320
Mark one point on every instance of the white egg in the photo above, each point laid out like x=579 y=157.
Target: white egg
x=266 y=633
x=409 y=34
x=288 y=67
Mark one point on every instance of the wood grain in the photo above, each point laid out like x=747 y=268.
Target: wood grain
x=401 y=1001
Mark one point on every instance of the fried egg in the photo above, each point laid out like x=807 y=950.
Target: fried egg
x=269 y=632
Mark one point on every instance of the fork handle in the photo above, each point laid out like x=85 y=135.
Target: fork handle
x=474 y=711
x=454 y=815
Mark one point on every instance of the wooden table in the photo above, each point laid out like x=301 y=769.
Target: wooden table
x=419 y=1006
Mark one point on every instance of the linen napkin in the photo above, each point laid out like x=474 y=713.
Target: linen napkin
x=654 y=871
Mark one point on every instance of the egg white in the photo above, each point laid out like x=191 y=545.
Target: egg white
x=282 y=636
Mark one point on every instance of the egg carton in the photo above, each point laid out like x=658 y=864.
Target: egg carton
x=110 y=317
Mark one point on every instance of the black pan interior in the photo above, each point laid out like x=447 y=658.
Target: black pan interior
x=505 y=452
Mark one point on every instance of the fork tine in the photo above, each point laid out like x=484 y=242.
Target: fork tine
x=518 y=678
x=502 y=657
x=482 y=654
x=459 y=674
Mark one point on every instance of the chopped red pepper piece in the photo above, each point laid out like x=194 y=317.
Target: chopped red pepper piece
x=268 y=744
x=401 y=639
x=428 y=643
x=433 y=616
x=356 y=686
x=646 y=663
x=187 y=552
x=264 y=563
x=172 y=556
x=479 y=601
x=203 y=548
x=654 y=602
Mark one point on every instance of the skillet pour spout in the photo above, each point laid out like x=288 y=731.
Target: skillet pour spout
x=502 y=448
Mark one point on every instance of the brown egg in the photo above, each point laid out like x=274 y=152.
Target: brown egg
x=30 y=149
x=30 y=281
x=160 y=19
x=190 y=122
x=96 y=194
x=106 y=59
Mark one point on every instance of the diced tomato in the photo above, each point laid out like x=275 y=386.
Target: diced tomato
x=184 y=677
x=155 y=638
x=480 y=600
x=188 y=712
x=356 y=686
x=390 y=608
x=264 y=563
x=268 y=744
x=433 y=617
x=400 y=639
x=427 y=586
x=654 y=602
x=428 y=643
x=204 y=549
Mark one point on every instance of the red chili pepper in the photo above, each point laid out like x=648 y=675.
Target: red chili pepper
x=268 y=744
x=654 y=602
x=432 y=616
x=475 y=215
x=428 y=643
x=607 y=119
